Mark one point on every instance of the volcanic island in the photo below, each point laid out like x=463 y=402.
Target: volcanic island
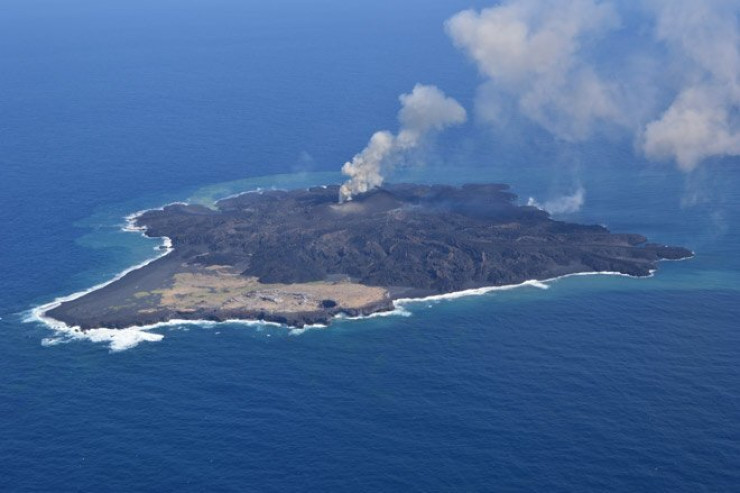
x=299 y=257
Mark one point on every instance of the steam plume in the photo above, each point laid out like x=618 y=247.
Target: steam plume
x=566 y=66
x=702 y=121
x=423 y=111
x=564 y=204
x=530 y=52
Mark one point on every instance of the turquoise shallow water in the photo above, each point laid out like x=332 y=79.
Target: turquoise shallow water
x=597 y=383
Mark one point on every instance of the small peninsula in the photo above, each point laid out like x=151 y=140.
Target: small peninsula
x=299 y=257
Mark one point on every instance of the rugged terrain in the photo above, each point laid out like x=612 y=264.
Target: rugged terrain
x=299 y=257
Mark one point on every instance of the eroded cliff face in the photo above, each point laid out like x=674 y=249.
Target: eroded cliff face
x=299 y=257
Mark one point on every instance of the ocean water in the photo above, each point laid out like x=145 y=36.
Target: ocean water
x=597 y=383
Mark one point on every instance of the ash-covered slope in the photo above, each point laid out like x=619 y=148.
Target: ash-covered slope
x=413 y=239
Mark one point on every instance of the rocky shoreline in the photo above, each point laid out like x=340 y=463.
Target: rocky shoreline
x=299 y=258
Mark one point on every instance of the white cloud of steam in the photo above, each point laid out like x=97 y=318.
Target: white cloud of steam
x=677 y=90
x=702 y=121
x=562 y=205
x=696 y=126
x=529 y=49
x=364 y=169
x=426 y=109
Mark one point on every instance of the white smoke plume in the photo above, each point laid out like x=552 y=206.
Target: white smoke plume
x=702 y=121
x=564 y=66
x=426 y=109
x=564 y=204
x=529 y=49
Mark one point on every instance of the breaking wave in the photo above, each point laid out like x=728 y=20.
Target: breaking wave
x=296 y=331
x=402 y=302
x=118 y=339
x=127 y=338
x=122 y=339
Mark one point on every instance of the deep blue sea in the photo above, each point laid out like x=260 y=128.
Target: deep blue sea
x=598 y=383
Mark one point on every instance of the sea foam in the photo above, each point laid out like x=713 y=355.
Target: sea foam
x=402 y=302
x=122 y=339
x=118 y=339
x=129 y=337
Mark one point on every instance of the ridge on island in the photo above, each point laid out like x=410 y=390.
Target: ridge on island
x=298 y=257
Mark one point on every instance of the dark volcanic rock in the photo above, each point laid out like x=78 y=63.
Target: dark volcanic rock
x=412 y=240
x=433 y=239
